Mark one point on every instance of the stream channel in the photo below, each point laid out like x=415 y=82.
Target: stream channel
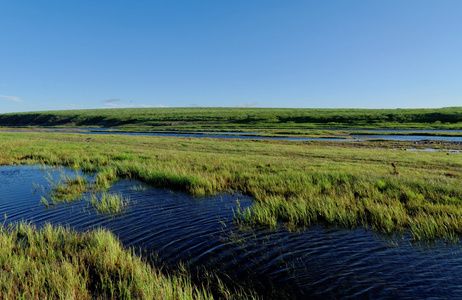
x=316 y=263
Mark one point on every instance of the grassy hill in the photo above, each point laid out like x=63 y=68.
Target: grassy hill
x=241 y=118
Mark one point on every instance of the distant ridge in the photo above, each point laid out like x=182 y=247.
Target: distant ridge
x=240 y=117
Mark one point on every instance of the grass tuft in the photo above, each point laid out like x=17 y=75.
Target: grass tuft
x=108 y=203
x=67 y=189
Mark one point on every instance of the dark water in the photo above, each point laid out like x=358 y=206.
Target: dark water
x=319 y=263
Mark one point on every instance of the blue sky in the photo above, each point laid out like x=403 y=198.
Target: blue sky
x=59 y=54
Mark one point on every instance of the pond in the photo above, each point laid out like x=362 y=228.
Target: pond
x=317 y=263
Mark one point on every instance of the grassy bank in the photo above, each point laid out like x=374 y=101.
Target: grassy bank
x=242 y=119
x=346 y=184
x=57 y=263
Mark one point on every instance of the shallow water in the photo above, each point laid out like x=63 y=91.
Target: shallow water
x=315 y=263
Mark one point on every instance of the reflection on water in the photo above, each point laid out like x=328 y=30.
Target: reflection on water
x=315 y=263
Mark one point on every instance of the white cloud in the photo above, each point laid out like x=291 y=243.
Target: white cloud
x=10 y=98
x=248 y=104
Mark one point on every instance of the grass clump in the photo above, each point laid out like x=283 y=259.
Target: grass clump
x=67 y=189
x=54 y=262
x=138 y=188
x=105 y=177
x=70 y=188
x=108 y=203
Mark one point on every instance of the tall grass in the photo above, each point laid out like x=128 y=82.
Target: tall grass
x=108 y=203
x=57 y=263
x=67 y=188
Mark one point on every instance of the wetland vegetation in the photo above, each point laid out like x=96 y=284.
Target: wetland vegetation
x=296 y=183
x=376 y=185
x=54 y=262
x=69 y=188
x=109 y=203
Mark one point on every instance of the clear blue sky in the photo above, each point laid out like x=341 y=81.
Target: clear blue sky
x=60 y=54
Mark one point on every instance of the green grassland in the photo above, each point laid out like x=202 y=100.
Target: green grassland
x=271 y=120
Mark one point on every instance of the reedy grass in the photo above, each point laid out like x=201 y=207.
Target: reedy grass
x=54 y=262
x=70 y=188
x=296 y=183
x=66 y=189
x=108 y=203
x=138 y=188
